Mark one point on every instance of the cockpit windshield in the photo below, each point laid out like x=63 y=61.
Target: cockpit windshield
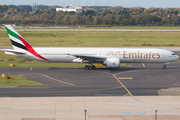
x=173 y=54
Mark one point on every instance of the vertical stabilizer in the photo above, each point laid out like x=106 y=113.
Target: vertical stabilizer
x=16 y=38
x=19 y=43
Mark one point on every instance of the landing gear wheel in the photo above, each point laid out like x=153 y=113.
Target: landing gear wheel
x=93 y=67
x=87 y=67
x=164 y=67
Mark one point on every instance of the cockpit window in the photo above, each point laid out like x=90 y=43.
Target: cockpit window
x=173 y=54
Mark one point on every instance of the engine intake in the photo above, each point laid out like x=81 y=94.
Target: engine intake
x=112 y=62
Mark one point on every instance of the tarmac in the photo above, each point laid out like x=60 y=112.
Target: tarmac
x=129 y=93
x=135 y=79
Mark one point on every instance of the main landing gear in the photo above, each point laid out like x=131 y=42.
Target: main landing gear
x=90 y=67
x=165 y=65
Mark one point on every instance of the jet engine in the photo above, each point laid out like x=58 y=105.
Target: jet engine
x=112 y=62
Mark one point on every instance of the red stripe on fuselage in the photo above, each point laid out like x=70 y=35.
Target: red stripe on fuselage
x=31 y=50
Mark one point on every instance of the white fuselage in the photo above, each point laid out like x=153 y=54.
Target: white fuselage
x=126 y=55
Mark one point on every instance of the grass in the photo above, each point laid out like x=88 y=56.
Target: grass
x=96 y=39
x=89 y=39
x=18 y=81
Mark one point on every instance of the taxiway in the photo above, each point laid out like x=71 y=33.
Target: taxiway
x=135 y=79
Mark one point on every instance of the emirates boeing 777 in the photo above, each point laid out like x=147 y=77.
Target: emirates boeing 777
x=109 y=57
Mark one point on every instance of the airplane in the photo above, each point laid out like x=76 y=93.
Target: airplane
x=109 y=57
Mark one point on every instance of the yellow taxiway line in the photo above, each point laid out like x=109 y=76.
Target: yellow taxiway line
x=125 y=78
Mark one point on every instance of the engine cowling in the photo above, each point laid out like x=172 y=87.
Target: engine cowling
x=112 y=62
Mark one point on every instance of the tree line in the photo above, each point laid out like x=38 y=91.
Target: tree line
x=96 y=16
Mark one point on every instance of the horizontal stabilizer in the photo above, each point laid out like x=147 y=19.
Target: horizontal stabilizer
x=13 y=51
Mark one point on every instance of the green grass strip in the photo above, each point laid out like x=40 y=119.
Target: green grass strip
x=18 y=81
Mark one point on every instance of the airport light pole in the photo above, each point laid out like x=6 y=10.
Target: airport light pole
x=85 y=113
x=155 y=114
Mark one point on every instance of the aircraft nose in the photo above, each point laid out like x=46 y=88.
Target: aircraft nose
x=177 y=56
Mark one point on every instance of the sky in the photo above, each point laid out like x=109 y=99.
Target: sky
x=124 y=3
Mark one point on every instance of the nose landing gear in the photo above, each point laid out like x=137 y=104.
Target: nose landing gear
x=90 y=67
x=165 y=65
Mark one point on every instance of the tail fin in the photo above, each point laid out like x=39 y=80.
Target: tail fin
x=19 y=43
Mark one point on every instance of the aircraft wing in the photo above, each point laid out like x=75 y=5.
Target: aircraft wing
x=88 y=57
